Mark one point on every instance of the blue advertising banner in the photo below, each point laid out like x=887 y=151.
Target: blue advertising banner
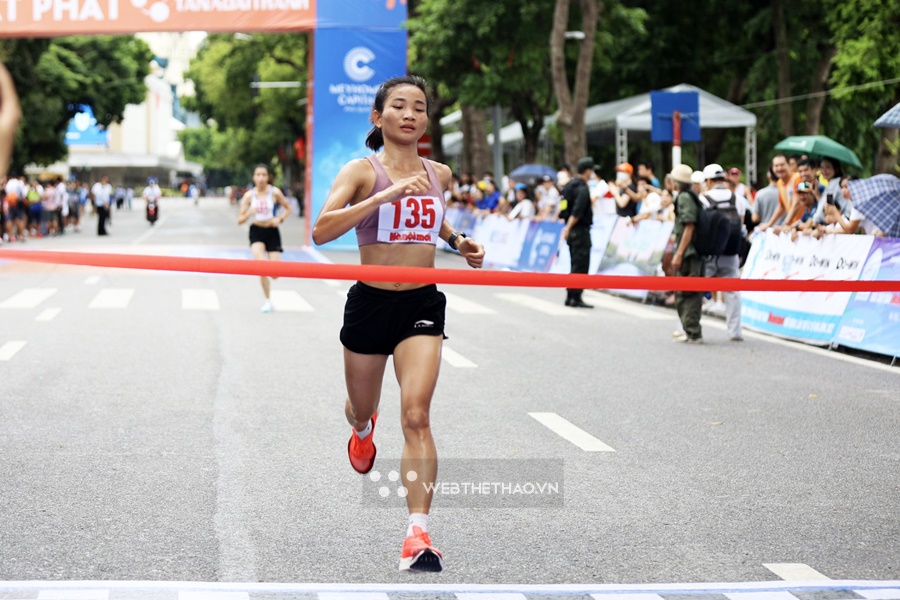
x=540 y=246
x=348 y=67
x=871 y=321
x=83 y=129
x=368 y=14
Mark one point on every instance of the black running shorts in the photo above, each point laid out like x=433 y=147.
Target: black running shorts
x=269 y=236
x=376 y=320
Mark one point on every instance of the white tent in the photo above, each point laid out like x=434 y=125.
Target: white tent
x=633 y=114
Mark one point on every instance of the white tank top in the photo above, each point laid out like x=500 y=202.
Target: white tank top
x=264 y=209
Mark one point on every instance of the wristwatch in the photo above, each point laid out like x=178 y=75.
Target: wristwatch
x=452 y=240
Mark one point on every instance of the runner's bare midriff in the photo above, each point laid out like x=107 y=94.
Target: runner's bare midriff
x=397 y=255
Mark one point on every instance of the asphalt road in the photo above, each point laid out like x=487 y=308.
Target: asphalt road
x=156 y=426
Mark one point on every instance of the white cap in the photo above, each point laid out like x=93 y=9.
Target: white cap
x=697 y=177
x=713 y=171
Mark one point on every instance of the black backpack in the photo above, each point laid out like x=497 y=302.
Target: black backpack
x=729 y=209
x=712 y=231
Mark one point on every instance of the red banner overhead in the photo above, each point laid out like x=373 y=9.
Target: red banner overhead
x=48 y=18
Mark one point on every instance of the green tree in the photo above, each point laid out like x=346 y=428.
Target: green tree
x=868 y=50
x=54 y=77
x=246 y=127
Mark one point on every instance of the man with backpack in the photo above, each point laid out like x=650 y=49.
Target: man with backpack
x=719 y=197
x=579 y=217
x=686 y=261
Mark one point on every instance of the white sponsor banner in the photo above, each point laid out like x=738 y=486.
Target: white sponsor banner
x=502 y=240
x=807 y=316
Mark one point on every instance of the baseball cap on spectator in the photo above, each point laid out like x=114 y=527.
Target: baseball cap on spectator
x=734 y=171
x=585 y=163
x=625 y=168
x=713 y=171
x=697 y=177
x=481 y=185
x=546 y=178
x=681 y=174
x=521 y=186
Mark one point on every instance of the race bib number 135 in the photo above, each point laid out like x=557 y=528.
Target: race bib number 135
x=415 y=219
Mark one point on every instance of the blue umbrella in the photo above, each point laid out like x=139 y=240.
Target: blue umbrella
x=878 y=198
x=890 y=119
x=531 y=173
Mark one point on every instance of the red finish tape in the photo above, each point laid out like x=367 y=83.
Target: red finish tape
x=304 y=270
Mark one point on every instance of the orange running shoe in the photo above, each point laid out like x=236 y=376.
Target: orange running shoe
x=419 y=555
x=362 y=452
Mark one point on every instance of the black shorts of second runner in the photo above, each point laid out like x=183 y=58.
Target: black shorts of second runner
x=269 y=236
x=376 y=320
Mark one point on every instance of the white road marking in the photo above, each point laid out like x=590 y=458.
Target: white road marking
x=760 y=596
x=112 y=298
x=557 y=309
x=464 y=306
x=489 y=596
x=48 y=314
x=342 y=294
x=332 y=282
x=199 y=300
x=213 y=596
x=883 y=594
x=28 y=298
x=626 y=307
x=9 y=349
x=92 y=280
x=353 y=596
x=455 y=359
x=629 y=596
x=289 y=301
x=874 y=590
x=795 y=572
x=73 y=595
x=570 y=432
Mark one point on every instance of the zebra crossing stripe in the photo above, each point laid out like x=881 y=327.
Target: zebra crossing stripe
x=353 y=596
x=213 y=596
x=556 y=309
x=289 y=301
x=73 y=595
x=464 y=306
x=9 y=349
x=48 y=314
x=28 y=298
x=112 y=298
x=199 y=300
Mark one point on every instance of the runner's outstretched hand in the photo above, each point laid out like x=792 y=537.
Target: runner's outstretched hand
x=472 y=251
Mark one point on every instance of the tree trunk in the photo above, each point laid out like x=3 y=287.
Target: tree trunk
x=476 y=157
x=438 y=106
x=572 y=105
x=530 y=117
x=716 y=138
x=783 y=63
x=815 y=104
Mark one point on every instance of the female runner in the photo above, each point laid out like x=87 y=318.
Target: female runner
x=395 y=200
x=265 y=238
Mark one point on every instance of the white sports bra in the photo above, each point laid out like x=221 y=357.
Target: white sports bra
x=264 y=209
